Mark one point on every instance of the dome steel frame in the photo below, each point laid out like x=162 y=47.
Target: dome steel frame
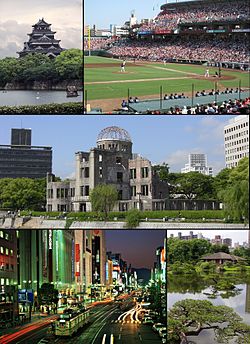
x=114 y=134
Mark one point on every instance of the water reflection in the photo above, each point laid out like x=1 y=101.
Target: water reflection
x=204 y=288
x=18 y=98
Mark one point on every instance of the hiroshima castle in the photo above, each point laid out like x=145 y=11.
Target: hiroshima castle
x=42 y=41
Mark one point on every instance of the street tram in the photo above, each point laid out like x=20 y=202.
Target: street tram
x=70 y=322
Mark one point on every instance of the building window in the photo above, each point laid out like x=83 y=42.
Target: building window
x=82 y=190
x=1 y=250
x=133 y=173
x=2 y=281
x=118 y=160
x=100 y=172
x=144 y=172
x=144 y=190
x=1 y=234
x=6 y=251
x=119 y=194
x=119 y=177
x=72 y=192
x=86 y=173
x=49 y=207
x=100 y=158
x=11 y=252
x=87 y=190
x=133 y=190
x=62 y=193
x=57 y=193
x=66 y=193
x=50 y=193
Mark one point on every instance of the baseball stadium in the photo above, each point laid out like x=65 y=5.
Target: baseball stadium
x=192 y=58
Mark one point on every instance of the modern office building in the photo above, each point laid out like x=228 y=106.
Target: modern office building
x=44 y=256
x=197 y=163
x=236 y=140
x=112 y=163
x=21 y=137
x=8 y=275
x=21 y=160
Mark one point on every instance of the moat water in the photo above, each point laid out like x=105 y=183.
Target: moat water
x=23 y=97
x=190 y=287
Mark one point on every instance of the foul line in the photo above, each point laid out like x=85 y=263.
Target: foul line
x=137 y=80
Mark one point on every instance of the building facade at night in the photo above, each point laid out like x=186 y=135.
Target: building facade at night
x=8 y=275
x=21 y=160
x=236 y=140
x=44 y=257
x=113 y=163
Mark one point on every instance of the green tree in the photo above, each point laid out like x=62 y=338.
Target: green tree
x=194 y=185
x=23 y=193
x=103 y=198
x=187 y=250
x=220 y=248
x=162 y=171
x=133 y=218
x=69 y=64
x=236 y=195
x=221 y=181
x=193 y=316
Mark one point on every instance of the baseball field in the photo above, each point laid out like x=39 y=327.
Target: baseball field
x=106 y=85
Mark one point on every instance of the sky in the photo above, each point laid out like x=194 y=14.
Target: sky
x=239 y=236
x=140 y=253
x=160 y=139
x=117 y=12
x=18 y=16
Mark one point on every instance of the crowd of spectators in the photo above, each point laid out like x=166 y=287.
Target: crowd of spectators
x=169 y=19
x=185 y=48
x=231 y=106
x=98 y=43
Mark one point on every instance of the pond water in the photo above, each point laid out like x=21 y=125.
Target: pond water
x=20 y=97
x=181 y=288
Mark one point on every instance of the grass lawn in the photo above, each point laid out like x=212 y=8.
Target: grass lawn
x=148 y=72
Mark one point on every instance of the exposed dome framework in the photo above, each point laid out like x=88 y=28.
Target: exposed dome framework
x=114 y=133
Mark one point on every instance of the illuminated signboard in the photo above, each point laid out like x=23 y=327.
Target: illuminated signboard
x=50 y=240
x=77 y=260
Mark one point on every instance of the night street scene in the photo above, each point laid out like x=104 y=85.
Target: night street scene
x=83 y=286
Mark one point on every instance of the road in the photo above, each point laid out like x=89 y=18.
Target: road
x=108 y=325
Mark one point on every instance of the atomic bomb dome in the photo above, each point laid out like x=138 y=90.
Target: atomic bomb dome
x=114 y=134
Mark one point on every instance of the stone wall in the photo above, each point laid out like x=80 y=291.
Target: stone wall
x=43 y=85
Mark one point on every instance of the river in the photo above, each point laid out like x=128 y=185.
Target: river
x=181 y=288
x=24 y=97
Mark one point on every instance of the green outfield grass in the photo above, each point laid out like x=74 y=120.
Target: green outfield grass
x=118 y=83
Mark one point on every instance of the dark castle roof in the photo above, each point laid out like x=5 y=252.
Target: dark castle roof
x=42 y=40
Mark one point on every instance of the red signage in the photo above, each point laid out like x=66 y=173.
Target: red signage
x=162 y=31
x=77 y=259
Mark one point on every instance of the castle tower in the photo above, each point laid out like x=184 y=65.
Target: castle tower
x=42 y=41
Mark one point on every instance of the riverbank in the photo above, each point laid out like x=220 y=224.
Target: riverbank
x=36 y=222
x=64 y=108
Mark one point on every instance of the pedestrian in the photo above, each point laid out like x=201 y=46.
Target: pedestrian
x=207 y=73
